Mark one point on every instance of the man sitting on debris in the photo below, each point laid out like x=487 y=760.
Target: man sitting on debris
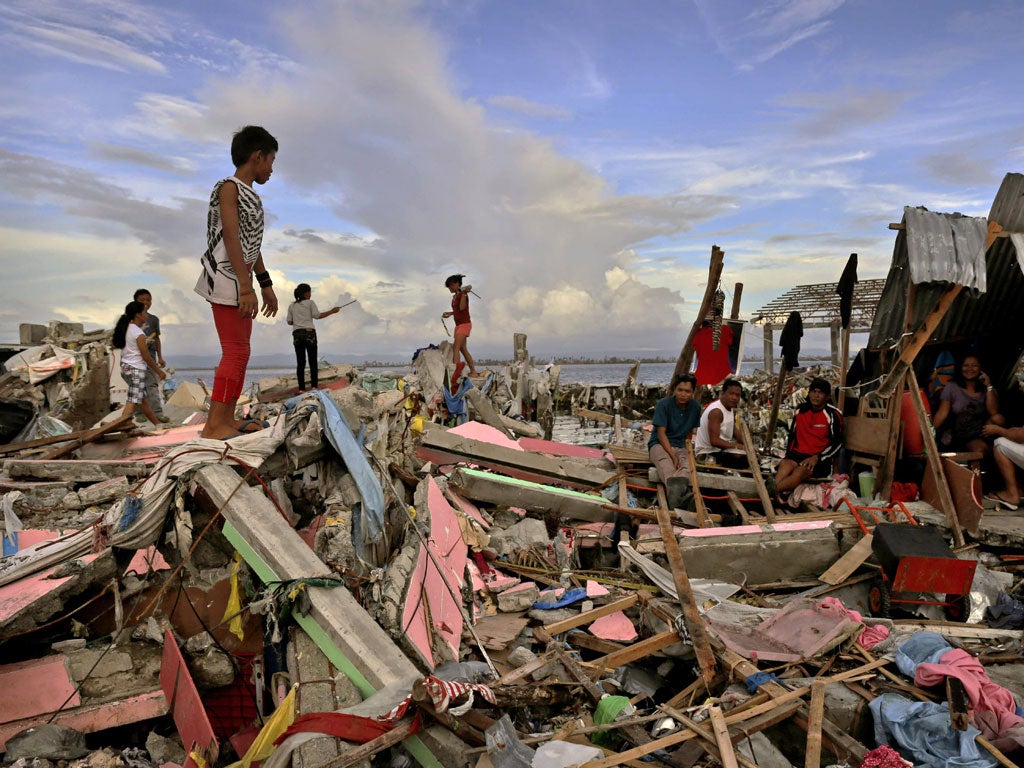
x=716 y=441
x=675 y=417
x=1008 y=453
x=815 y=437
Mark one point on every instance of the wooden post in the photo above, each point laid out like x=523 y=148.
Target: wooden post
x=769 y=354
x=737 y=292
x=935 y=461
x=755 y=468
x=773 y=416
x=691 y=616
x=844 y=363
x=714 y=275
x=887 y=465
x=833 y=339
x=698 y=501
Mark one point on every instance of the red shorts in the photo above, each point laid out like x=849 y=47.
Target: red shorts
x=463 y=329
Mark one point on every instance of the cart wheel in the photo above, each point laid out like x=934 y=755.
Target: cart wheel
x=880 y=599
x=957 y=607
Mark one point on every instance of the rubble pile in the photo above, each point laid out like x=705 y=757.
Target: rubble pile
x=402 y=568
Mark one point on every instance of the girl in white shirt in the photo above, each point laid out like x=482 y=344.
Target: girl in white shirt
x=135 y=358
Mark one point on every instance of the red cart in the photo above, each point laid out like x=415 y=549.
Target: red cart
x=914 y=559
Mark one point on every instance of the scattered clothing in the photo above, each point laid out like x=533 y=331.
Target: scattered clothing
x=1006 y=613
x=789 y=340
x=923 y=732
x=825 y=495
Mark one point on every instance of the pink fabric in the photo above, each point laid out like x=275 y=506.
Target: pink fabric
x=884 y=757
x=463 y=329
x=871 y=636
x=234 y=332
x=994 y=707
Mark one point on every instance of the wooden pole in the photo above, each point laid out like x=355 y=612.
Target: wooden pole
x=691 y=616
x=844 y=364
x=812 y=757
x=698 y=501
x=935 y=461
x=714 y=275
x=773 y=417
x=737 y=292
x=755 y=468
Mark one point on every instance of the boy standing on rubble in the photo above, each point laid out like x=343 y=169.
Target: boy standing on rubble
x=234 y=235
x=151 y=328
x=463 y=324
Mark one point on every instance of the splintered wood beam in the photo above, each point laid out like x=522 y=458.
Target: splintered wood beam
x=89 y=436
x=714 y=276
x=698 y=500
x=691 y=616
x=755 y=468
x=935 y=461
x=812 y=757
x=635 y=651
x=918 y=340
x=557 y=627
x=721 y=730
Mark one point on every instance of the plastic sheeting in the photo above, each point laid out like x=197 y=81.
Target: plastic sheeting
x=370 y=519
x=40 y=363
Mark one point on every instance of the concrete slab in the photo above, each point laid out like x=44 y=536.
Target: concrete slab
x=43 y=686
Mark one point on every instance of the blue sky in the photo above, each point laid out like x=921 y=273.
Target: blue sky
x=577 y=160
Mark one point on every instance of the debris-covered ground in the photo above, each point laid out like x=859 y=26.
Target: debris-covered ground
x=392 y=572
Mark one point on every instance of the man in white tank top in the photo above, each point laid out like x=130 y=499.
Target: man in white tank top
x=716 y=441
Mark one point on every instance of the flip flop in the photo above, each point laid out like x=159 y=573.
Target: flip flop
x=246 y=427
x=1007 y=505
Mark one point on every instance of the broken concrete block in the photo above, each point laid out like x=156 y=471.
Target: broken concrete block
x=31 y=334
x=97 y=663
x=52 y=742
x=100 y=493
x=523 y=535
x=67 y=646
x=163 y=750
x=519 y=598
x=212 y=668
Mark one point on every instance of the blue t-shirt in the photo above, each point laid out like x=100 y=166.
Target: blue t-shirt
x=677 y=423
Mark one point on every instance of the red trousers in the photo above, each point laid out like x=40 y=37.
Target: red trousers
x=234 y=332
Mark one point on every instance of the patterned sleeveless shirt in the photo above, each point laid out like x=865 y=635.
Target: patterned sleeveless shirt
x=218 y=282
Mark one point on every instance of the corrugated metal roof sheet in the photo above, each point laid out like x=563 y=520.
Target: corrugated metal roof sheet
x=991 y=324
x=945 y=248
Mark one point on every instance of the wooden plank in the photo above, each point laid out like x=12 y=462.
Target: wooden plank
x=586 y=413
x=721 y=731
x=88 y=437
x=356 y=755
x=844 y=567
x=691 y=616
x=956 y=629
x=44 y=441
x=812 y=757
x=755 y=468
x=557 y=627
x=698 y=500
x=916 y=342
x=773 y=418
x=441 y=446
x=935 y=462
x=737 y=506
x=635 y=651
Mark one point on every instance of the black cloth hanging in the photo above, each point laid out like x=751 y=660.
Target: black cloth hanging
x=789 y=340
x=845 y=290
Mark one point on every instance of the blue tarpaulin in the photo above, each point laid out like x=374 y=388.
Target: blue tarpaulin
x=369 y=519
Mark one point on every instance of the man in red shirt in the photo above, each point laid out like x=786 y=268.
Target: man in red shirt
x=815 y=437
